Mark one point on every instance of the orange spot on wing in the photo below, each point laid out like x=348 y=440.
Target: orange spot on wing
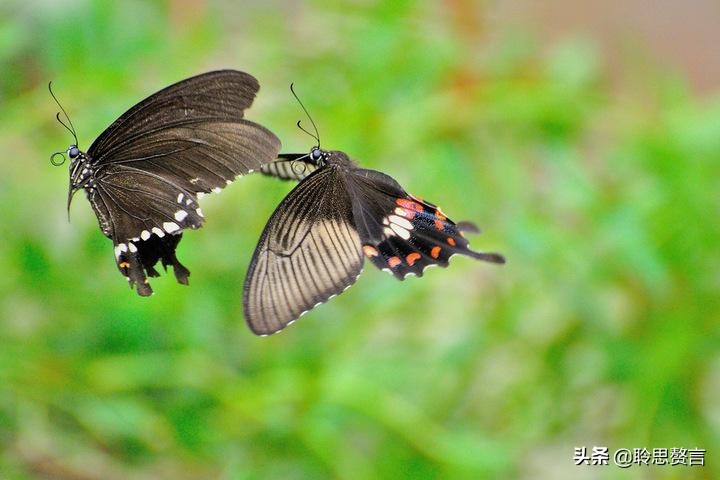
x=435 y=251
x=412 y=258
x=439 y=219
x=451 y=241
x=123 y=264
x=394 y=261
x=370 y=251
x=409 y=205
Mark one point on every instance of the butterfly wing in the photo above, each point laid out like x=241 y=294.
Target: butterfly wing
x=308 y=252
x=401 y=233
x=290 y=166
x=144 y=214
x=192 y=132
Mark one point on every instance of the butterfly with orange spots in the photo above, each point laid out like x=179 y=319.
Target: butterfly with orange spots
x=315 y=243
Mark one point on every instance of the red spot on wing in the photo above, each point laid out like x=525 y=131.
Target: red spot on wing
x=451 y=241
x=435 y=251
x=394 y=261
x=412 y=258
x=370 y=251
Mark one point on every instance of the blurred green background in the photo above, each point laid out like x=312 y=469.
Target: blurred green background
x=589 y=155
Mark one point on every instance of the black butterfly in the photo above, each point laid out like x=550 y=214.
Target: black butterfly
x=314 y=244
x=144 y=173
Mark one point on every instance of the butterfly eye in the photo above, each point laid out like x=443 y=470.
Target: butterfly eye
x=316 y=154
x=73 y=151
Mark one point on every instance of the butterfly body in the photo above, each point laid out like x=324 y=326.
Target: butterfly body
x=144 y=174
x=315 y=243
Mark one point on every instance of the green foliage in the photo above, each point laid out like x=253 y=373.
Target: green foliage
x=600 y=330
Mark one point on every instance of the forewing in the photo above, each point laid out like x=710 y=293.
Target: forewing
x=219 y=95
x=308 y=252
x=192 y=132
x=290 y=166
x=404 y=234
x=144 y=214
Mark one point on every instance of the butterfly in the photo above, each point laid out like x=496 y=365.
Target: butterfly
x=144 y=174
x=315 y=243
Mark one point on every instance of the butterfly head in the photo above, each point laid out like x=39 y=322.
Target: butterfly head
x=318 y=156
x=73 y=151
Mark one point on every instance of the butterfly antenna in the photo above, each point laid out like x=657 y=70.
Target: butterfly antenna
x=57 y=163
x=313 y=136
x=317 y=134
x=71 y=128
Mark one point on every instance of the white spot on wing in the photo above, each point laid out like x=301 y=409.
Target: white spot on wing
x=132 y=247
x=402 y=233
x=403 y=222
x=171 y=227
x=180 y=197
x=200 y=194
x=145 y=234
x=180 y=215
x=188 y=201
x=199 y=212
x=158 y=232
x=217 y=190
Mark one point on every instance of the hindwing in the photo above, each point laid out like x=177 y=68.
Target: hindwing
x=404 y=234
